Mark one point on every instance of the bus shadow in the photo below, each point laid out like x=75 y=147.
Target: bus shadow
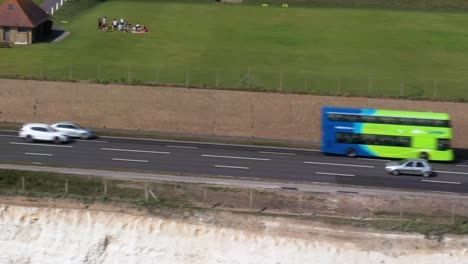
x=461 y=155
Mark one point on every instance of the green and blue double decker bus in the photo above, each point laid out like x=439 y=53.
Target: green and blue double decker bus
x=386 y=133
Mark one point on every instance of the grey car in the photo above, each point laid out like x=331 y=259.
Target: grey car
x=73 y=130
x=410 y=166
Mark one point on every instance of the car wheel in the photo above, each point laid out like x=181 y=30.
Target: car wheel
x=424 y=156
x=426 y=174
x=57 y=140
x=396 y=172
x=29 y=139
x=351 y=152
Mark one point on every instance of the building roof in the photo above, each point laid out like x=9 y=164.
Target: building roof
x=22 y=13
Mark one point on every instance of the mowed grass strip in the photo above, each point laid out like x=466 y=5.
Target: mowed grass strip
x=306 y=50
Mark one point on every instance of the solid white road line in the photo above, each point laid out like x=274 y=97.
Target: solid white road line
x=335 y=174
x=373 y=159
x=38 y=154
x=92 y=141
x=186 y=147
x=138 y=151
x=447 y=182
x=338 y=164
x=132 y=160
x=232 y=157
x=277 y=153
x=231 y=167
x=41 y=145
x=452 y=172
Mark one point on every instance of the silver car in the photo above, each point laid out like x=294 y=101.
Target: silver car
x=73 y=130
x=410 y=166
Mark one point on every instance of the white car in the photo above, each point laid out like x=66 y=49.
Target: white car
x=73 y=130
x=42 y=132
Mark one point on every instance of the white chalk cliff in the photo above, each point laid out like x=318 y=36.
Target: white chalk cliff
x=52 y=235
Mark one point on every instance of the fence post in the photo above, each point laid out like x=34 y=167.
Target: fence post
x=146 y=191
x=217 y=78
x=370 y=86
x=435 y=89
x=251 y=199
x=205 y=195
x=105 y=187
x=66 y=186
x=23 y=184
x=402 y=86
x=300 y=204
x=338 y=86
x=452 y=215
x=401 y=209
x=281 y=81
x=70 y=72
x=157 y=76
x=128 y=74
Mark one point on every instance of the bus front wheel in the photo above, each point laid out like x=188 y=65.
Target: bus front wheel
x=424 y=155
x=351 y=152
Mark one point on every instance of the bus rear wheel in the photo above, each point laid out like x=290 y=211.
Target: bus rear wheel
x=424 y=155
x=351 y=152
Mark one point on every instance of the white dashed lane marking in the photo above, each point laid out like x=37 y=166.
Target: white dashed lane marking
x=373 y=159
x=335 y=174
x=38 y=154
x=446 y=182
x=453 y=172
x=41 y=145
x=137 y=151
x=232 y=157
x=231 y=167
x=130 y=160
x=177 y=146
x=277 y=153
x=338 y=164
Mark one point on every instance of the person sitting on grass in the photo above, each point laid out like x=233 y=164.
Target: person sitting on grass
x=145 y=29
x=114 y=24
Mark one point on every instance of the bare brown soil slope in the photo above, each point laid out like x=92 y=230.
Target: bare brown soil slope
x=194 y=111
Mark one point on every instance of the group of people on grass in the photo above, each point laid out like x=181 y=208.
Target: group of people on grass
x=120 y=25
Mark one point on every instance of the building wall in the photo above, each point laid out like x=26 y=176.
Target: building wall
x=18 y=37
x=13 y=34
x=23 y=37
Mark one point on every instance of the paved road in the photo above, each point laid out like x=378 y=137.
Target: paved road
x=227 y=160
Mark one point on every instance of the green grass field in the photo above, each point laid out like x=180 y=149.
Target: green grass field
x=371 y=52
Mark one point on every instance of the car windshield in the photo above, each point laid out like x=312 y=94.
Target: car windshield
x=74 y=126
x=402 y=161
x=50 y=129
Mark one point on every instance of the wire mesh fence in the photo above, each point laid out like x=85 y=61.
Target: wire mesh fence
x=246 y=79
x=282 y=202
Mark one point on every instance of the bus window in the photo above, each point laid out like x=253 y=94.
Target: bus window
x=443 y=144
x=369 y=119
